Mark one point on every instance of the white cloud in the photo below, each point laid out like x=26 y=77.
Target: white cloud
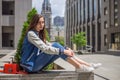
x=58 y=7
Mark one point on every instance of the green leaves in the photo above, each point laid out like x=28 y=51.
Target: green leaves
x=30 y=14
x=23 y=33
x=47 y=35
x=79 y=39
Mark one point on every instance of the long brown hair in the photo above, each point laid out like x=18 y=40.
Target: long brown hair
x=34 y=23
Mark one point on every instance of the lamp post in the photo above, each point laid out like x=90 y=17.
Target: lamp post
x=58 y=32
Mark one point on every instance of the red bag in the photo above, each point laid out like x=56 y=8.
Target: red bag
x=11 y=68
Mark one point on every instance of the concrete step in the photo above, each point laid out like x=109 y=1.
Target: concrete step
x=50 y=75
x=8 y=56
x=5 y=51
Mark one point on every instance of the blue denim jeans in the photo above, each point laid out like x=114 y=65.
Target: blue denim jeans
x=44 y=59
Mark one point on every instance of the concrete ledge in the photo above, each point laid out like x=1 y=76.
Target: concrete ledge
x=50 y=75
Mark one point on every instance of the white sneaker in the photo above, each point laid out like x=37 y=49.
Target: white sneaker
x=84 y=68
x=95 y=65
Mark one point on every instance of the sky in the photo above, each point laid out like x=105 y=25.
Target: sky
x=58 y=7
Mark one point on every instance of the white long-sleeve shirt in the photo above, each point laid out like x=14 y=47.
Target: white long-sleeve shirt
x=47 y=48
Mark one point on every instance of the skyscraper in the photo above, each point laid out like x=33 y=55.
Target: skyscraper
x=99 y=19
x=12 y=16
x=47 y=13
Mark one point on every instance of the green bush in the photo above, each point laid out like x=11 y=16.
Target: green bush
x=79 y=39
x=23 y=33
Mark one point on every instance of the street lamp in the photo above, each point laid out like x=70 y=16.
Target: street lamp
x=58 y=29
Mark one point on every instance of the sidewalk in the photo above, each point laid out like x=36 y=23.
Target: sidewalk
x=110 y=68
x=108 y=71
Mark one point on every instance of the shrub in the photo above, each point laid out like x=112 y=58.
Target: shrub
x=79 y=39
x=23 y=33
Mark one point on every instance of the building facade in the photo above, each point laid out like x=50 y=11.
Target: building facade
x=113 y=31
x=58 y=21
x=47 y=13
x=12 y=16
x=97 y=18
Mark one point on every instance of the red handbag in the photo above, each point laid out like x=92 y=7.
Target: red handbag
x=12 y=68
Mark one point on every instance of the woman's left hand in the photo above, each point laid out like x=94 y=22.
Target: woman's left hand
x=68 y=52
x=71 y=51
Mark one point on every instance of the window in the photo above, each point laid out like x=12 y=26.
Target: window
x=115 y=13
x=84 y=7
x=116 y=3
x=116 y=10
x=95 y=6
x=105 y=25
x=8 y=7
x=112 y=38
x=115 y=40
x=116 y=22
x=86 y=10
x=90 y=8
x=99 y=36
x=105 y=11
x=82 y=10
x=78 y=7
x=93 y=37
x=116 y=16
x=88 y=35
x=83 y=28
x=99 y=8
x=105 y=40
x=77 y=14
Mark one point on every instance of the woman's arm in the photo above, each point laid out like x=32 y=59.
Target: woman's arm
x=34 y=39
x=48 y=43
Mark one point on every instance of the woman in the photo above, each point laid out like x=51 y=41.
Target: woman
x=37 y=53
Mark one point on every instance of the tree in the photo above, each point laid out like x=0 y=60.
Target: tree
x=23 y=33
x=79 y=39
x=47 y=35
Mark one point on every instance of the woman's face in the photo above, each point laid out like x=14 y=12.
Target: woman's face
x=40 y=24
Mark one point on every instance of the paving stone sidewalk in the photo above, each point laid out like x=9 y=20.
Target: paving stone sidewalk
x=110 y=69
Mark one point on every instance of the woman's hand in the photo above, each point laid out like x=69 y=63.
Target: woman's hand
x=69 y=53
x=69 y=48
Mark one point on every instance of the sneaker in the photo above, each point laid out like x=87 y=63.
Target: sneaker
x=84 y=68
x=95 y=65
